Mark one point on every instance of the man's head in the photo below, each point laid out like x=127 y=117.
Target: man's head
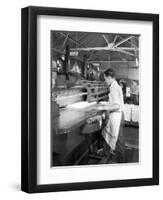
x=109 y=76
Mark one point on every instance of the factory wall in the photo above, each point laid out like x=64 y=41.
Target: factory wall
x=123 y=70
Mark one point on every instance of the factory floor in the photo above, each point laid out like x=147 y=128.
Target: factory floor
x=131 y=155
x=89 y=157
x=131 y=150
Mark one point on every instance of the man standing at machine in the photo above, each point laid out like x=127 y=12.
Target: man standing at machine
x=114 y=109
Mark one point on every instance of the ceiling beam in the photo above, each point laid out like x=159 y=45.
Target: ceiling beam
x=125 y=52
x=122 y=41
x=115 y=39
x=65 y=40
x=106 y=40
x=109 y=61
x=129 y=42
x=83 y=36
x=118 y=49
x=128 y=48
x=103 y=48
x=72 y=40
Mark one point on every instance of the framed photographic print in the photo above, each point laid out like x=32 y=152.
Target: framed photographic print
x=90 y=99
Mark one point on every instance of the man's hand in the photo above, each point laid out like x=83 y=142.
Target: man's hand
x=100 y=107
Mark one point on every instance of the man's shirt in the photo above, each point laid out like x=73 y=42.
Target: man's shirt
x=116 y=95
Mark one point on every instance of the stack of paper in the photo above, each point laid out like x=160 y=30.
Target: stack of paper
x=128 y=111
x=135 y=113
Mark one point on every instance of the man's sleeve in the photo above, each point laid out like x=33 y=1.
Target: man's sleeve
x=115 y=96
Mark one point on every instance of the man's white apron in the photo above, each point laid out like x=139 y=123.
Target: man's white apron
x=111 y=130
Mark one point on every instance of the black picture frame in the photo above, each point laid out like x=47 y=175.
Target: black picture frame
x=29 y=98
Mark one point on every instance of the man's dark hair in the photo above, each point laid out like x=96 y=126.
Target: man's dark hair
x=110 y=72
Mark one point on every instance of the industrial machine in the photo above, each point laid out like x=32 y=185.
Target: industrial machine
x=75 y=123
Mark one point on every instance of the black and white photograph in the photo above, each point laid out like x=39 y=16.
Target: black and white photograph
x=94 y=98
x=90 y=99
